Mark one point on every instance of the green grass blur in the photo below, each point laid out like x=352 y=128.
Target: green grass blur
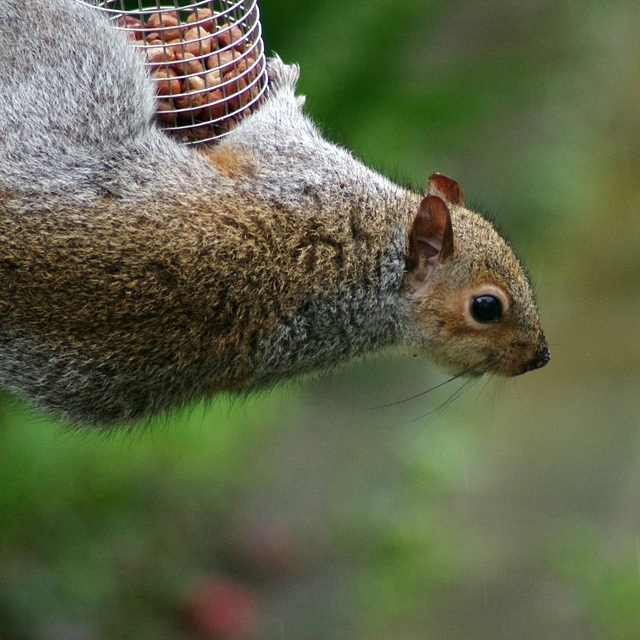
x=512 y=512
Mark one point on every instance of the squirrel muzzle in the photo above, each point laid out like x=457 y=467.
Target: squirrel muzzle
x=540 y=358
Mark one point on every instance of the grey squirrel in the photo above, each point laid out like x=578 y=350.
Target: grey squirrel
x=137 y=274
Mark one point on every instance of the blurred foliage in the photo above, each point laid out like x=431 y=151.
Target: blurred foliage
x=513 y=512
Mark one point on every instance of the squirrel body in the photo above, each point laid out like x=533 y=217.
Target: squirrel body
x=137 y=274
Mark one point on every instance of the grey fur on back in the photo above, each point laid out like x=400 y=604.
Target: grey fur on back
x=76 y=109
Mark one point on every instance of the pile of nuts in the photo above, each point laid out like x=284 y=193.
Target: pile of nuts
x=208 y=74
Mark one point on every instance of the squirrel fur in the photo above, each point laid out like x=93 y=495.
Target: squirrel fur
x=137 y=273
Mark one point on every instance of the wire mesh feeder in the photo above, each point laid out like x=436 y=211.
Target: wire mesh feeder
x=206 y=58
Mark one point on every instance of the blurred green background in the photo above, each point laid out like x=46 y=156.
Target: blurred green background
x=510 y=511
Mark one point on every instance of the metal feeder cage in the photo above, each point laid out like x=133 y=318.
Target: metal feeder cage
x=206 y=59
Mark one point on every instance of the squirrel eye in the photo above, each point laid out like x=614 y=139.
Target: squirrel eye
x=486 y=308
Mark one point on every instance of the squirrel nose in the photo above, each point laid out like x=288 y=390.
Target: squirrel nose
x=541 y=358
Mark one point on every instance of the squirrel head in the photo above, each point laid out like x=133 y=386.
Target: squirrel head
x=471 y=305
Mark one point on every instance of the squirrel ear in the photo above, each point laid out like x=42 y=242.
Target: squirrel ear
x=430 y=238
x=446 y=188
